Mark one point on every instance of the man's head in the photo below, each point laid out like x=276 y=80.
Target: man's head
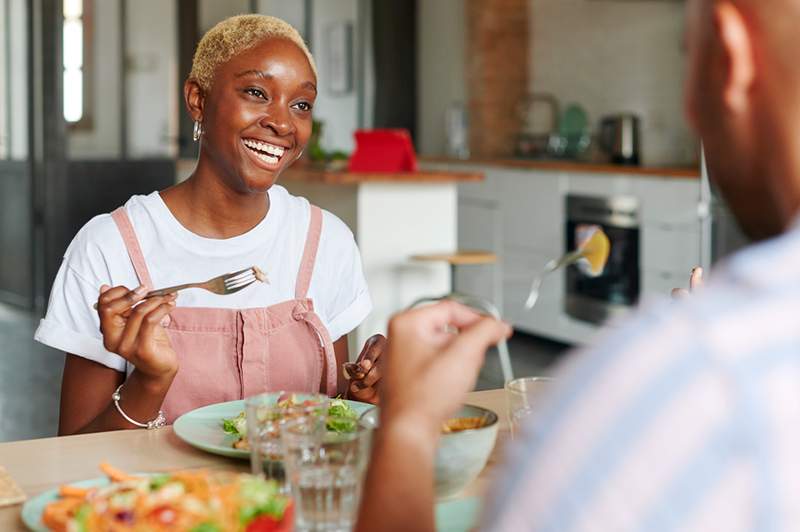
x=743 y=98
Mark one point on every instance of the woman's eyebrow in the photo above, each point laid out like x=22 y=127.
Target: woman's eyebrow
x=256 y=73
x=266 y=75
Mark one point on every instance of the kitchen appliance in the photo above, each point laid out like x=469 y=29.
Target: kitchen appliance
x=595 y=299
x=619 y=138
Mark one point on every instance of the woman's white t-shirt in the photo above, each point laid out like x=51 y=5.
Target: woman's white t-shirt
x=174 y=255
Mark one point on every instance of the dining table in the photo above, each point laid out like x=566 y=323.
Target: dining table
x=43 y=464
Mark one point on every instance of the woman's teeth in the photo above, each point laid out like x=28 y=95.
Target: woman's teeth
x=268 y=153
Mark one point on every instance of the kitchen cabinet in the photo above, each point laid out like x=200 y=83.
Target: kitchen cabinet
x=520 y=214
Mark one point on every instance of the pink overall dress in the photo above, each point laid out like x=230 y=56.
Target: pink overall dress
x=228 y=354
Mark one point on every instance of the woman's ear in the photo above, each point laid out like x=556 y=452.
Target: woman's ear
x=194 y=97
x=736 y=55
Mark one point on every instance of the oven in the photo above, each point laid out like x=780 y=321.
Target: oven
x=616 y=290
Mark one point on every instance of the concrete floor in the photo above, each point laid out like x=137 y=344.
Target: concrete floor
x=30 y=374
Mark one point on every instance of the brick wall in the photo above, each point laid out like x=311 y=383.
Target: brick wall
x=496 y=70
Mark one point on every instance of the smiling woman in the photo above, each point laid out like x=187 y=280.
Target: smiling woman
x=138 y=361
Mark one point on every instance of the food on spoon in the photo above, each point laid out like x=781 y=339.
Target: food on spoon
x=260 y=275
x=346 y=418
x=192 y=501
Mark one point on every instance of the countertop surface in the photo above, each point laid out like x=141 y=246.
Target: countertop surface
x=574 y=166
x=315 y=174
x=40 y=465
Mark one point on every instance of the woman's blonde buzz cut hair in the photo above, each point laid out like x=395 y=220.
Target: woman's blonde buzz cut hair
x=233 y=36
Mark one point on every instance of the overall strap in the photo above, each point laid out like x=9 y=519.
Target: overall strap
x=120 y=217
x=309 y=253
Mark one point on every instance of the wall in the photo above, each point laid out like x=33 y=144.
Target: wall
x=613 y=57
x=441 y=36
x=212 y=11
x=339 y=111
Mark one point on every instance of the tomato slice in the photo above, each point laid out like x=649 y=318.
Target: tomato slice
x=265 y=523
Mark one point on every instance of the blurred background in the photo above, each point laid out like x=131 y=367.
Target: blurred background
x=563 y=112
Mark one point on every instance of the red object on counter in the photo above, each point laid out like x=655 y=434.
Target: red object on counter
x=383 y=150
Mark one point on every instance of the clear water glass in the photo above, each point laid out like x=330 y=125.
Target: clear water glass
x=524 y=395
x=325 y=471
x=265 y=419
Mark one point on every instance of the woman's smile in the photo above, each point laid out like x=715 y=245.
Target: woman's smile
x=265 y=154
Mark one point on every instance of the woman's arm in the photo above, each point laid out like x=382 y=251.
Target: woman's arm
x=86 y=404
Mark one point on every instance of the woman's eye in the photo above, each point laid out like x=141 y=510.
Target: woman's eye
x=303 y=106
x=258 y=93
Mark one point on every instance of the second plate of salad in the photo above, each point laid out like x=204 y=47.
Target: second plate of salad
x=219 y=427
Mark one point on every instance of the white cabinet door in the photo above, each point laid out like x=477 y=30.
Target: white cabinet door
x=479 y=229
x=533 y=211
x=665 y=248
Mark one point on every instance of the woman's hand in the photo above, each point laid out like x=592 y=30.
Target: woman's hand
x=365 y=373
x=132 y=329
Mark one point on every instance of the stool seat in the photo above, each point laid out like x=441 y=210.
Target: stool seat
x=458 y=258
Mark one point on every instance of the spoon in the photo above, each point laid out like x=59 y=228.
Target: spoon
x=594 y=250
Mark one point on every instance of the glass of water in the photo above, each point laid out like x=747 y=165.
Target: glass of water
x=325 y=470
x=524 y=395
x=266 y=416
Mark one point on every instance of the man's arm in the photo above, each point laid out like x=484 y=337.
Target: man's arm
x=428 y=370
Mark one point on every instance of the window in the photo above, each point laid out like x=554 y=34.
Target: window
x=77 y=55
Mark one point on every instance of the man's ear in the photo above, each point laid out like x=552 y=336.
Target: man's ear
x=736 y=55
x=194 y=97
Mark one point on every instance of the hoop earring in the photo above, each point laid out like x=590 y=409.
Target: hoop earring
x=197 y=132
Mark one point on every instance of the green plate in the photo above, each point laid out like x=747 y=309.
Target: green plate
x=202 y=427
x=33 y=508
x=451 y=516
x=457 y=516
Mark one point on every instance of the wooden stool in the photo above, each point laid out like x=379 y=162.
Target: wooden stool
x=459 y=258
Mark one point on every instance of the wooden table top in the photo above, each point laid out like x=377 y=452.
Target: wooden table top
x=40 y=465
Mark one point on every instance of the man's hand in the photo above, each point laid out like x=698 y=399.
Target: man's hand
x=433 y=357
x=695 y=282
x=365 y=374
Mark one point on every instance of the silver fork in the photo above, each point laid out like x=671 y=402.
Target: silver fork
x=230 y=283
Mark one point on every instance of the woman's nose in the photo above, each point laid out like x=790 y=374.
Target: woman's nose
x=279 y=120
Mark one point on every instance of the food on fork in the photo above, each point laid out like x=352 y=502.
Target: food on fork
x=260 y=275
x=192 y=501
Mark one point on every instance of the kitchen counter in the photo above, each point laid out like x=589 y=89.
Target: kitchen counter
x=313 y=174
x=393 y=217
x=573 y=166
x=40 y=465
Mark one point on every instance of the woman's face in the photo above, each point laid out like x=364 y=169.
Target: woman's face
x=257 y=114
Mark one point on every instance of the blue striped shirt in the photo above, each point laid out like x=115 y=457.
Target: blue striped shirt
x=686 y=417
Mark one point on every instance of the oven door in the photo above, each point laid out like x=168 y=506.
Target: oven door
x=616 y=290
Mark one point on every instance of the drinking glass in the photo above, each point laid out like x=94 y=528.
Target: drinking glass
x=524 y=396
x=265 y=419
x=325 y=471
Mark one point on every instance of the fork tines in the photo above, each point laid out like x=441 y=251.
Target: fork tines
x=240 y=279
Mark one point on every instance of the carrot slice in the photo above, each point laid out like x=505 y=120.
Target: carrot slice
x=72 y=492
x=115 y=474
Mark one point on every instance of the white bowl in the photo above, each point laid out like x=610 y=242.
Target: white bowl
x=461 y=455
